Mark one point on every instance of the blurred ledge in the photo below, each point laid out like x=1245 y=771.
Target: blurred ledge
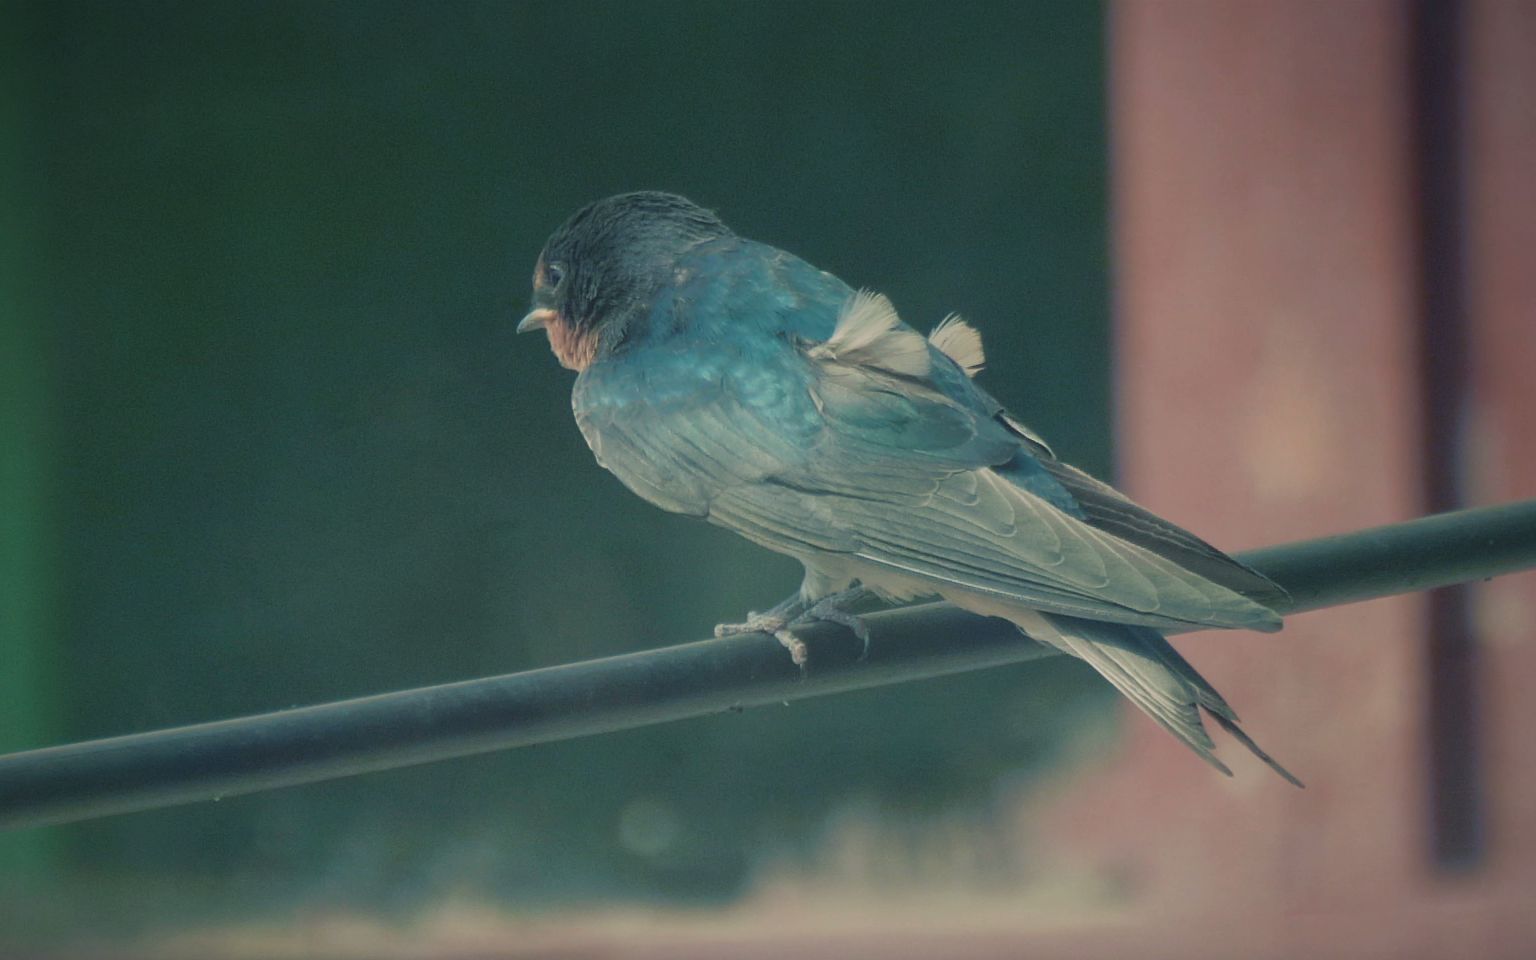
x=290 y=747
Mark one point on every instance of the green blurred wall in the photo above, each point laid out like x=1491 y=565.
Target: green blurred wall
x=296 y=453
x=29 y=642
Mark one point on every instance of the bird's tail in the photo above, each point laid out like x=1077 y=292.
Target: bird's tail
x=1145 y=667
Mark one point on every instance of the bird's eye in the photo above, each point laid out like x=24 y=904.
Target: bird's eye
x=553 y=274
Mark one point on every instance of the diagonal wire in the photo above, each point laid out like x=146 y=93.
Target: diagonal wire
x=211 y=760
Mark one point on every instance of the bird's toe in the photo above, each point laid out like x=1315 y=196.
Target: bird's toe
x=755 y=623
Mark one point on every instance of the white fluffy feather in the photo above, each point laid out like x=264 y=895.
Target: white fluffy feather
x=960 y=342
x=870 y=333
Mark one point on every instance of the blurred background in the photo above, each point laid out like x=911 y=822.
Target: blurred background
x=267 y=439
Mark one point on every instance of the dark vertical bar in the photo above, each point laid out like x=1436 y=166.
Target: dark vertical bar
x=1454 y=775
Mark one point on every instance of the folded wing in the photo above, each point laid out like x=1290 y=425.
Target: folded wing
x=847 y=447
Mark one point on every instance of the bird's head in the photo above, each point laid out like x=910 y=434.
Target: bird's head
x=602 y=268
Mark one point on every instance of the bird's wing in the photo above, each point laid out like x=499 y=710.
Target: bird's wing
x=1108 y=509
x=844 y=447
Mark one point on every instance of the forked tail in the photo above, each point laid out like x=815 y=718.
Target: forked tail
x=1145 y=667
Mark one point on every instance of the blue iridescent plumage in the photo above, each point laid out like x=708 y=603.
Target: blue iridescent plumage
x=729 y=380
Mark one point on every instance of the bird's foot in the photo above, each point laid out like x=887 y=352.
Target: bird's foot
x=769 y=621
x=782 y=620
x=834 y=609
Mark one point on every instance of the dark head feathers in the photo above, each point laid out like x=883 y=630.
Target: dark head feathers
x=645 y=217
x=606 y=263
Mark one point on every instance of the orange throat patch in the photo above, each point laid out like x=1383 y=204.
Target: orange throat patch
x=575 y=350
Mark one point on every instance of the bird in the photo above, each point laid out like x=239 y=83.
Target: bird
x=726 y=379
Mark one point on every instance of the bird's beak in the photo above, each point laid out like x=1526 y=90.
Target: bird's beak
x=536 y=320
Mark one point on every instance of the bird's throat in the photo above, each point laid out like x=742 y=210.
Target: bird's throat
x=572 y=346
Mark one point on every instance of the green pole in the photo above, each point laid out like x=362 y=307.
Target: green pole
x=28 y=640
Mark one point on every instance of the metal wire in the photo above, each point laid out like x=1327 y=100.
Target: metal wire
x=289 y=747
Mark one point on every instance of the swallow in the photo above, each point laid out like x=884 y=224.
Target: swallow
x=728 y=380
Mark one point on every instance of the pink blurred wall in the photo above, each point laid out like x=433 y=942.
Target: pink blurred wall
x=1266 y=229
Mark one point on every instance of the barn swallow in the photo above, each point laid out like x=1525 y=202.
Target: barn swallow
x=729 y=380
